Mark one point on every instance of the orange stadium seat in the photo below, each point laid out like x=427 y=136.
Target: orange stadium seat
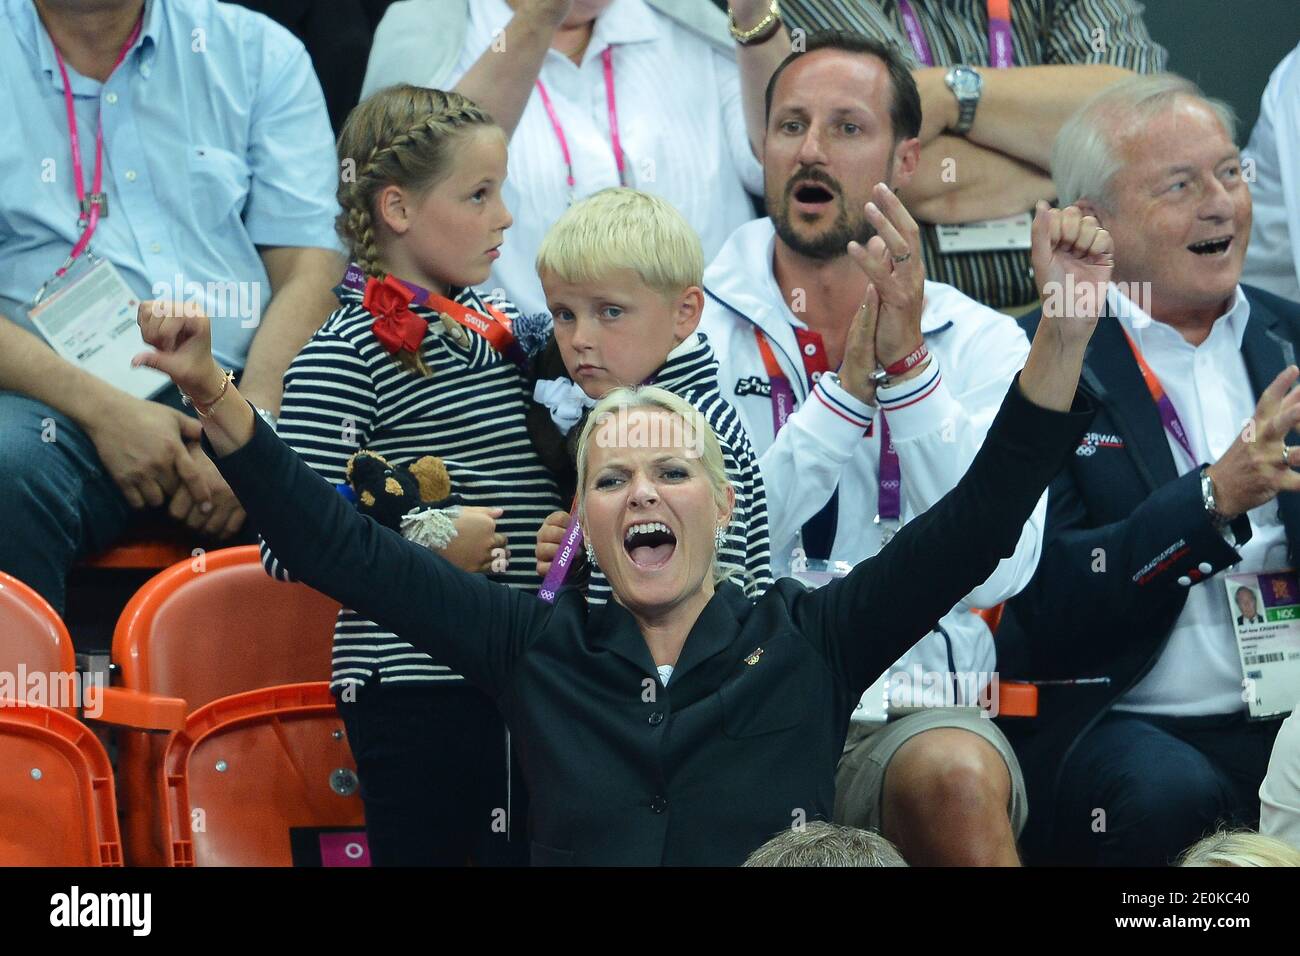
x=204 y=629
x=147 y=544
x=34 y=643
x=56 y=791
x=1015 y=698
x=252 y=772
x=56 y=785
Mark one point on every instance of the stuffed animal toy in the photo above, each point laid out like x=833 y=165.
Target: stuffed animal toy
x=414 y=500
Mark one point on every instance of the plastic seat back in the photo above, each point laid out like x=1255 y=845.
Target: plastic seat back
x=56 y=791
x=264 y=778
x=204 y=629
x=36 y=655
x=216 y=625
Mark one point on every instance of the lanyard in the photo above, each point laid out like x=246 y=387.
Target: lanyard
x=607 y=61
x=888 y=504
x=1001 y=47
x=1164 y=404
x=496 y=327
x=92 y=206
x=564 y=559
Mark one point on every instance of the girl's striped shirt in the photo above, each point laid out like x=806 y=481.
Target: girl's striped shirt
x=344 y=392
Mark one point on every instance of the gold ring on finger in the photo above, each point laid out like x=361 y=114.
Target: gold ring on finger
x=1286 y=454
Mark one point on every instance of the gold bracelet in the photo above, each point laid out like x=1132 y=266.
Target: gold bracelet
x=769 y=24
x=204 y=409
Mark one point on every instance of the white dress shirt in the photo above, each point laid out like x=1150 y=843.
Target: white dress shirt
x=1199 y=671
x=680 y=120
x=1274 y=259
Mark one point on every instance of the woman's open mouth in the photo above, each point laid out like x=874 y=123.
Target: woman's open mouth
x=650 y=544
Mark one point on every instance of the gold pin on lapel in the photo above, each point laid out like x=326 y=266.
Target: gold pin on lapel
x=752 y=659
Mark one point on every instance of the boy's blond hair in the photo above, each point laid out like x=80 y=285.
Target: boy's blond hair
x=623 y=228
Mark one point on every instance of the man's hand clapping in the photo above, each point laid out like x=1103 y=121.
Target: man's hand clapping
x=888 y=326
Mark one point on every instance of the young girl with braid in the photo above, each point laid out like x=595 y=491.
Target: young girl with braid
x=416 y=362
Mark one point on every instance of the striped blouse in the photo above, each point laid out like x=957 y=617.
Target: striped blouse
x=1045 y=32
x=691 y=373
x=344 y=392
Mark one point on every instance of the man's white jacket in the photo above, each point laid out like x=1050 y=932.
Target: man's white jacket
x=937 y=423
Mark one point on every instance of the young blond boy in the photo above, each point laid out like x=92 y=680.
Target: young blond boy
x=623 y=273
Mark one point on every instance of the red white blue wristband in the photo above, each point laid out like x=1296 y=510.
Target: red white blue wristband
x=884 y=376
x=908 y=362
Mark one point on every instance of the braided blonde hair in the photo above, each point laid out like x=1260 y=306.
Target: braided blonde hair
x=399 y=136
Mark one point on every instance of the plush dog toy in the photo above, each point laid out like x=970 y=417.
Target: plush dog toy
x=414 y=500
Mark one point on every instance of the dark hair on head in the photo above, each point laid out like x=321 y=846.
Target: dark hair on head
x=904 y=111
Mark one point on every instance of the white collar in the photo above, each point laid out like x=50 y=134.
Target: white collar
x=743 y=277
x=1137 y=322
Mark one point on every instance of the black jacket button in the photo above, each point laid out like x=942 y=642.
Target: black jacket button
x=656 y=718
x=658 y=804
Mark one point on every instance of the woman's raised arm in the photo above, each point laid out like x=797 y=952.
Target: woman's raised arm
x=476 y=626
x=865 y=621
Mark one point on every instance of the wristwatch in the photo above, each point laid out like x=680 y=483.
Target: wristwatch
x=966 y=84
x=1217 y=517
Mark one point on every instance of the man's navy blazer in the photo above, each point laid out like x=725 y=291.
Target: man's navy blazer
x=1126 y=539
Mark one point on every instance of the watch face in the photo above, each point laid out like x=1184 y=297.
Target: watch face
x=966 y=83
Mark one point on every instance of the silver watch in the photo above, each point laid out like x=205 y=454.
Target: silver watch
x=1217 y=517
x=967 y=85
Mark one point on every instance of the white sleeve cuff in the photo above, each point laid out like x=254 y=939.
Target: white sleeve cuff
x=833 y=396
x=919 y=405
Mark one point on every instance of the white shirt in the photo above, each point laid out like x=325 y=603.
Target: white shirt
x=937 y=421
x=1279 y=794
x=1199 y=672
x=1273 y=262
x=681 y=125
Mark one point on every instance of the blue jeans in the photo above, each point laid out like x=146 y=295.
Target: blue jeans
x=57 y=502
x=1139 y=790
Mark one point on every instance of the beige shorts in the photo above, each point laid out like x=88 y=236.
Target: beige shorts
x=869 y=747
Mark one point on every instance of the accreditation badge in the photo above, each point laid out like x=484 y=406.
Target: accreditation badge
x=1265 y=611
x=986 y=235
x=88 y=316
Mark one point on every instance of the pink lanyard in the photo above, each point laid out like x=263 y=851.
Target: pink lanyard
x=1000 y=39
x=91 y=205
x=607 y=60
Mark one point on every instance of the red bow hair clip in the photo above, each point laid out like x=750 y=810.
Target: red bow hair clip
x=396 y=326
